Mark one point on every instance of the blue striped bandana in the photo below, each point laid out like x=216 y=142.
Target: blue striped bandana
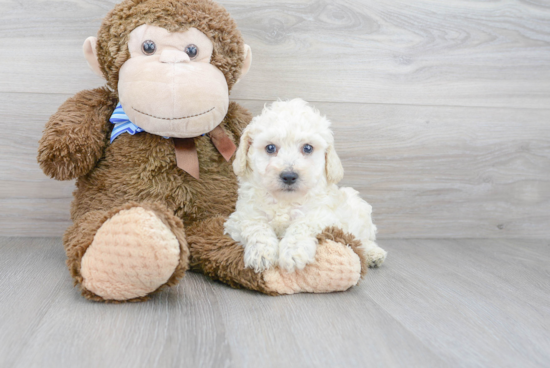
x=122 y=123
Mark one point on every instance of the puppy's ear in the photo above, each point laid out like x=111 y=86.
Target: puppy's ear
x=240 y=165
x=334 y=168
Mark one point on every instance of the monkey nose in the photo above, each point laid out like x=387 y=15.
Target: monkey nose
x=174 y=56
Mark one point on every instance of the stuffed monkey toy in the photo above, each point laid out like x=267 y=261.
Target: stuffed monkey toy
x=151 y=154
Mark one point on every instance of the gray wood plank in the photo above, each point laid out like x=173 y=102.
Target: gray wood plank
x=45 y=321
x=469 y=300
x=394 y=52
x=325 y=330
x=178 y=328
x=434 y=303
x=32 y=274
x=428 y=171
x=31 y=204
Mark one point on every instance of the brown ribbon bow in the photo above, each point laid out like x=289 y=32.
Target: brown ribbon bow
x=187 y=158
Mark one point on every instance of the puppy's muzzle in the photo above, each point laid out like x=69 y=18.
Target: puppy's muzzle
x=289 y=177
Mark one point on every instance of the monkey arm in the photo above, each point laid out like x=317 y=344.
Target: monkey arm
x=76 y=135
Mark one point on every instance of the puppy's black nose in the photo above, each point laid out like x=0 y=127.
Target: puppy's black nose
x=289 y=177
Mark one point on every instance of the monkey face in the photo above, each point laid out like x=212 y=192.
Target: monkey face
x=168 y=86
x=172 y=63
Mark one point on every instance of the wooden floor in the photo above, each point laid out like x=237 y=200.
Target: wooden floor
x=435 y=303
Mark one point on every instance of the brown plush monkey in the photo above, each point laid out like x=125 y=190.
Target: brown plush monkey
x=150 y=154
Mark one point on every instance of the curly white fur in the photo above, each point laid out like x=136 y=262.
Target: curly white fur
x=277 y=222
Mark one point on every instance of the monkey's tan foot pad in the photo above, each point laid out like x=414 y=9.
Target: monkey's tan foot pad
x=336 y=268
x=132 y=254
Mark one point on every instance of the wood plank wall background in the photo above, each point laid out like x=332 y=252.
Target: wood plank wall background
x=441 y=109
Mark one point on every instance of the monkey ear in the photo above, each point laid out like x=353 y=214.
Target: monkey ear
x=90 y=53
x=247 y=62
x=334 y=168
x=240 y=165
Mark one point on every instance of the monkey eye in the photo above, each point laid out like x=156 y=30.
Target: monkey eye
x=271 y=148
x=192 y=51
x=148 y=47
x=307 y=149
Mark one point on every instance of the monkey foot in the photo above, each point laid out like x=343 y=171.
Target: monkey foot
x=132 y=254
x=336 y=268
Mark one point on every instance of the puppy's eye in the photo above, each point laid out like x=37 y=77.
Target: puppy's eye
x=148 y=47
x=192 y=51
x=307 y=149
x=270 y=148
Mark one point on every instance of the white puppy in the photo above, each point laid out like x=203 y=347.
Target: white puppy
x=288 y=170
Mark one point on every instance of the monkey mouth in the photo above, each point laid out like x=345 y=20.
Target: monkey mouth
x=184 y=117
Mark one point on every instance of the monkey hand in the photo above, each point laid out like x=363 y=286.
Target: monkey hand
x=76 y=135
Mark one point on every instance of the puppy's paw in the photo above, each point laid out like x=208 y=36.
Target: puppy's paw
x=296 y=252
x=262 y=254
x=376 y=256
